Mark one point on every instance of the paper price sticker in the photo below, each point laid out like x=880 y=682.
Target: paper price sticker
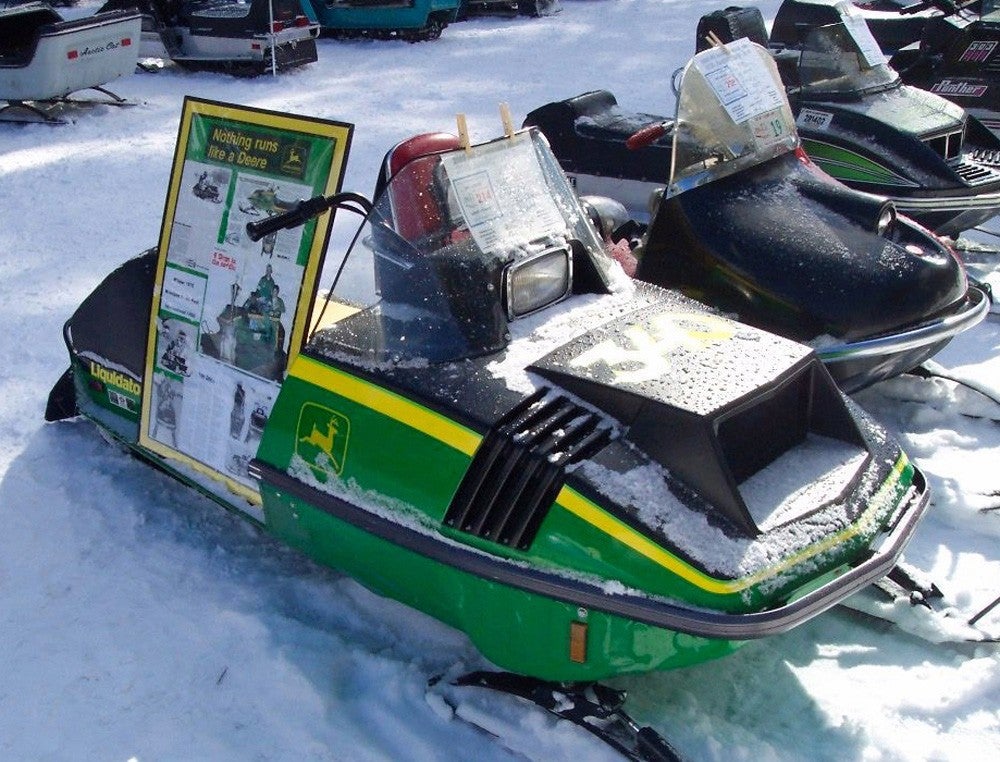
x=478 y=201
x=857 y=27
x=502 y=214
x=769 y=128
x=726 y=84
x=741 y=80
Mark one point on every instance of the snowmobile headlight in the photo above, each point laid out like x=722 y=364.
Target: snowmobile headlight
x=886 y=219
x=538 y=281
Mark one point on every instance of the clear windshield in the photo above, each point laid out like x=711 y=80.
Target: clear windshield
x=844 y=58
x=732 y=113
x=459 y=244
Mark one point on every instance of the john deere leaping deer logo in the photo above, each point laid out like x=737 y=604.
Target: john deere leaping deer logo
x=321 y=439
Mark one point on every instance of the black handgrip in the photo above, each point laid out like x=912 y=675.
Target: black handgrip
x=297 y=215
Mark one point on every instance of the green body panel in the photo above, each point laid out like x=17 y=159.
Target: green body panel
x=849 y=166
x=379 y=453
x=515 y=630
x=416 y=473
x=406 y=465
x=109 y=398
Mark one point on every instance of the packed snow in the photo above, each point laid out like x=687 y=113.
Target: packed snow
x=139 y=621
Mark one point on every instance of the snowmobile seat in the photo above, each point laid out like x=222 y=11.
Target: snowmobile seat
x=730 y=25
x=414 y=222
x=588 y=133
x=20 y=29
x=593 y=114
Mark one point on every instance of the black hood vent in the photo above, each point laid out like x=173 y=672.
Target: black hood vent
x=974 y=173
x=520 y=467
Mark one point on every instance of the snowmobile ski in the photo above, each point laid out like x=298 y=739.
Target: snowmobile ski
x=907 y=599
x=944 y=389
x=595 y=707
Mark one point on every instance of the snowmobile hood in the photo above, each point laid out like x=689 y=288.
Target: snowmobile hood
x=704 y=379
x=693 y=361
x=760 y=229
x=908 y=109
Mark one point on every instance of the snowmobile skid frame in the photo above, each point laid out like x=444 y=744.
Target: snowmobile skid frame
x=51 y=111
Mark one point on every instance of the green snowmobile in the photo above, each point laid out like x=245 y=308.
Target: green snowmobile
x=588 y=475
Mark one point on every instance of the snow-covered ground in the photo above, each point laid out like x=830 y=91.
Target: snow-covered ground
x=138 y=621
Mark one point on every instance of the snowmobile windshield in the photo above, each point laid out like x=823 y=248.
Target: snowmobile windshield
x=732 y=114
x=458 y=245
x=844 y=59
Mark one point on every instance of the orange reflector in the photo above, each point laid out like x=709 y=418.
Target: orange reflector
x=578 y=642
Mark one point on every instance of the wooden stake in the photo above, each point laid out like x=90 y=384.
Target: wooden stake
x=463 y=132
x=508 y=124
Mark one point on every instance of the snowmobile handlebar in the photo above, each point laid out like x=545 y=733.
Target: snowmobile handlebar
x=305 y=210
x=646 y=135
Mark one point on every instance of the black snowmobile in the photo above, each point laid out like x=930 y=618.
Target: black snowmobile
x=898 y=23
x=958 y=57
x=241 y=37
x=862 y=125
x=206 y=190
x=742 y=219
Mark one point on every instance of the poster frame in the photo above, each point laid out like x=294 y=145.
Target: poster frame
x=330 y=177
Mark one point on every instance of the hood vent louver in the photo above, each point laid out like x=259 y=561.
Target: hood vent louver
x=987 y=156
x=974 y=173
x=520 y=467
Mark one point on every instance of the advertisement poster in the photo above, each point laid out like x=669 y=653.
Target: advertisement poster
x=229 y=313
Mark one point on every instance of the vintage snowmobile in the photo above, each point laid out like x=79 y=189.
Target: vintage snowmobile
x=241 y=37
x=862 y=125
x=587 y=474
x=414 y=20
x=44 y=58
x=743 y=220
x=899 y=23
x=957 y=57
